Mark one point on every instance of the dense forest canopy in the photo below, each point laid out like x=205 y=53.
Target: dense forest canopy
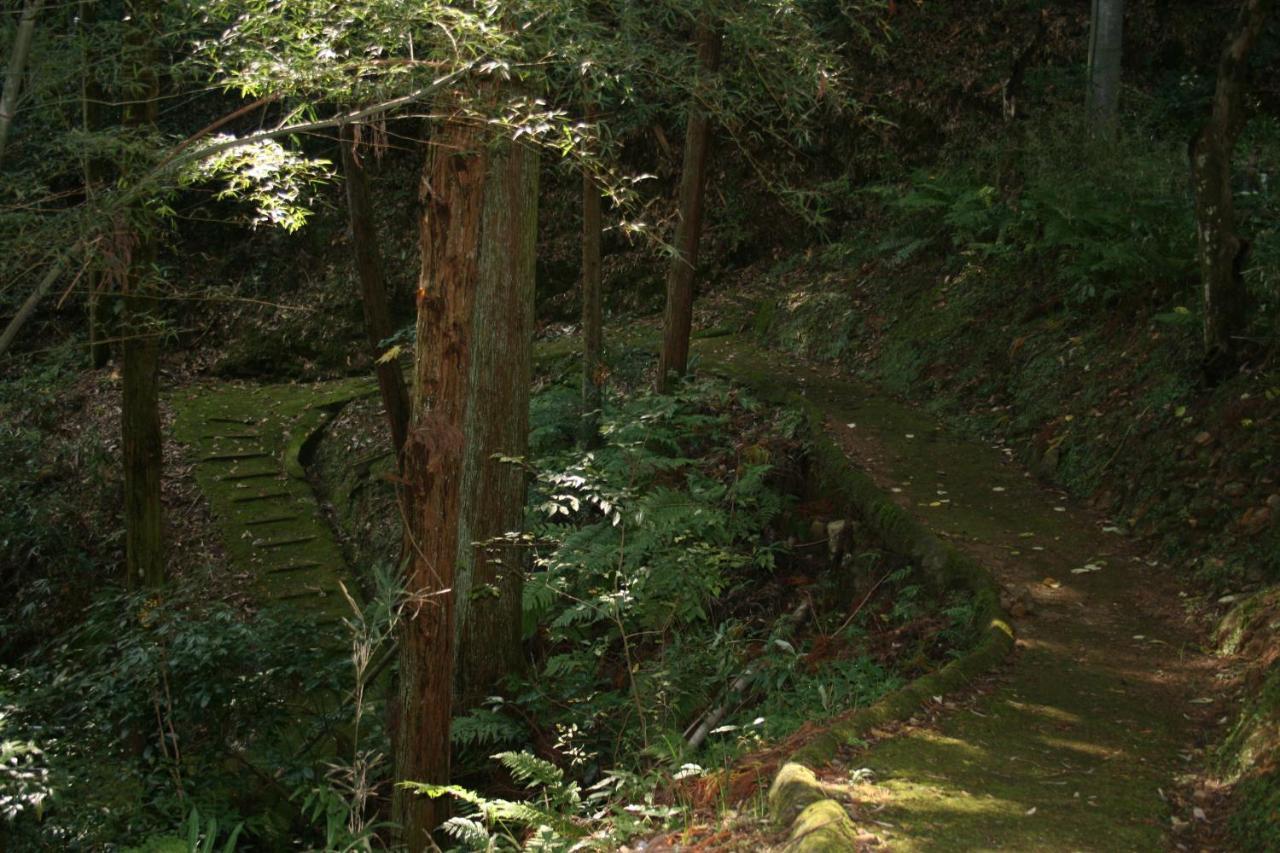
x=522 y=425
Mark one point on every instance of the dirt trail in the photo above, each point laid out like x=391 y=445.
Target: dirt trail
x=1095 y=716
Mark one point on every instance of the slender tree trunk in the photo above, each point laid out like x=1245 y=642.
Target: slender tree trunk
x=1222 y=252
x=17 y=65
x=140 y=410
x=92 y=120
x=373 y=291
x=470 y=403
x=678 y=318
x=593 y=372
x=140 y=428
x=1106 y=40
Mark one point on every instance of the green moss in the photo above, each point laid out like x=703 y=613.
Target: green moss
x=823 y=827
x=794 y=788
x=245 y=444
x=1255 y=818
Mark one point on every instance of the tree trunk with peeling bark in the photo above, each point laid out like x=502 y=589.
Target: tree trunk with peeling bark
x=1222 y=251
x=678 y=318
x=470 y=402
x=373 y=290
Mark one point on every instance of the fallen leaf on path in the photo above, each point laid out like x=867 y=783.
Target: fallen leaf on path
x=1031 y=811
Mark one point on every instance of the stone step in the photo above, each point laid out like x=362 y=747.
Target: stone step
x=232 y=457
x=244 y=499
x=280 y=543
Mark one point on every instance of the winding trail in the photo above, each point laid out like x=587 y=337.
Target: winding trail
x=1079 y=737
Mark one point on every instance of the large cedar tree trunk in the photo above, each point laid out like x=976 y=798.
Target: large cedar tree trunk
x=470 y=401
x=373 y=290
x=593 y=372
x=678 y=319
x=491 y=562
x=1222 y=252
x=140 y=408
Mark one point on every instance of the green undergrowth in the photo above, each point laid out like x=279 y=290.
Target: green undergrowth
x=155 y=706
x=1250 y=755
x=60 y=530
x=1011 y=297
x=1001 y=297
x=680 y=574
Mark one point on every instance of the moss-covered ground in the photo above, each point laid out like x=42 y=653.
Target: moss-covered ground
x=1076 y=745
x=245 y=444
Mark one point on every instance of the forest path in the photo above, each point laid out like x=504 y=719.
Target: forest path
x=1075 y=743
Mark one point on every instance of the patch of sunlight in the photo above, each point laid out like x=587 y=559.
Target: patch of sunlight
x=910 y=795
x=1094 y=749
x=1045 y=711
x=939 y=739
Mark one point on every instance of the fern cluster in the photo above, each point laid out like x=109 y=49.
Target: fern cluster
x=642 y=547
x=1100 y=218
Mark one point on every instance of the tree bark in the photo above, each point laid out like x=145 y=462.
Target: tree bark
x=140 y=431
x=1106 y=50
x=1222 y=252
x=452 y=201
x=373 y=290
x=140 y=410
x=93 y=119
x=472 y=377
x=17 y=65
x=593 y=371
x=490 y=576
x=678 y=317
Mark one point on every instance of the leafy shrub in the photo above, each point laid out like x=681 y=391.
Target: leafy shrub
x=59 y=526
x=140 y=712
x=1107 y=217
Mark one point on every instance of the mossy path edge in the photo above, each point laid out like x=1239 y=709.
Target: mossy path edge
x=1077 y=742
